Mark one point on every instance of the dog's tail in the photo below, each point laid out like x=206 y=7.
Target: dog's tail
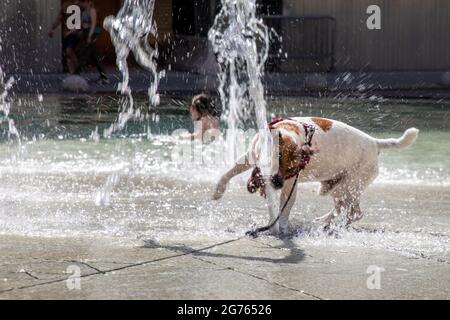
x=407 y=139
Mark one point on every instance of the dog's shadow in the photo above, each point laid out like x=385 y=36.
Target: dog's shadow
x=295 y=254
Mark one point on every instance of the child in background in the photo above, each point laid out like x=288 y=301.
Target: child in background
x=204 y=114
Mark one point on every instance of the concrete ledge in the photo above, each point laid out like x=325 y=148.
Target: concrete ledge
x=400 y=85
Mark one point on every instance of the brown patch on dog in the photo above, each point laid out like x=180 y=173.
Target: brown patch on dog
x=287 y=126
x=289 y=155
x=324 y=124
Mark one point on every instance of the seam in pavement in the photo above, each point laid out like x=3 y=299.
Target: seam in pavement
x=123 y=267
x=250 y=274
x=261 y=278
x=6 y=290
x=86 y=264
x=28 y=273
x=31 y=275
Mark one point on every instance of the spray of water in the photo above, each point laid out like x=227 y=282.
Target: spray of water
x=241 y=44
x=130 y=31
x=5 y=105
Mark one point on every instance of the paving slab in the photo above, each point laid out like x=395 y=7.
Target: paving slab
x=174 y=275
x=263 y=268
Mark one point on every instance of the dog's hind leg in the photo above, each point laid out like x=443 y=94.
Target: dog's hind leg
x=346 y=197
x=347 y=193
x=340 y=190
x=354 y=214
x=337 y=189
x=241 y=165
x=358 y=185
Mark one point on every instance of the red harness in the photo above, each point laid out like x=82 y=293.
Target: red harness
x=256 y=180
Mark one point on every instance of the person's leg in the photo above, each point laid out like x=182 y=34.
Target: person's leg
x=71 y=60
x=84 y=52
x=65 y=58
x=94 y=58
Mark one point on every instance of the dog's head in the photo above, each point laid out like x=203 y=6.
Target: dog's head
x=287 y=158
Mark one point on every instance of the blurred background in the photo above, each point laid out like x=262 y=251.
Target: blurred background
x=317 y=35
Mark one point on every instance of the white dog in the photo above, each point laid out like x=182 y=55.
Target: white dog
x=342 y=158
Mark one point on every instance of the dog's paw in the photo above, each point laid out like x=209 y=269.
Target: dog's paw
x=325 y=219
x=216 y=196
x=218 y=193
x=285 y=229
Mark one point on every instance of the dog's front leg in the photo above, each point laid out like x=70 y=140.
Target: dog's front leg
x=284 y=218
x=241 y=165
x=272 y=203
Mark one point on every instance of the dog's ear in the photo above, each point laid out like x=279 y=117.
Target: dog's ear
x=279 y=143
x=289 y=154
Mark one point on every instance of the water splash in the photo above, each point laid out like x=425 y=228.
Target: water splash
x=103 y=197
x=241 y=44
x=5 y=105
x=130 y=31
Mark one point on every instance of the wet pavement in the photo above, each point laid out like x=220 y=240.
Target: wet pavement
x=265 y=268
x=380 y=258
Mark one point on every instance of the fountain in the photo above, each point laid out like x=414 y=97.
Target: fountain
x=130 y=31
x=5 y=105
x=241 y=44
